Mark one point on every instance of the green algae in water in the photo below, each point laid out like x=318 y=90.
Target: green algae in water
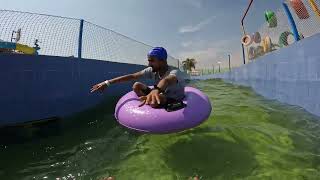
x=246 y=137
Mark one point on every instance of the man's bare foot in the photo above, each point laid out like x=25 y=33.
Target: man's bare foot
x=110 y=178
x=194 y=178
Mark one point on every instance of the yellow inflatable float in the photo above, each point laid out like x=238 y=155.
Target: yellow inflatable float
x=25 y=49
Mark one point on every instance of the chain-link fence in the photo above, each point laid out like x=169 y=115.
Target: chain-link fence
x=68 y=37
x=57 y=36
x=283 y=23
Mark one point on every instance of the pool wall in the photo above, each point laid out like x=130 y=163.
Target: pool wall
x=290 y=75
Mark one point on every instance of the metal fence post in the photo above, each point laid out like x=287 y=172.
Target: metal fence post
x=229 y=63
x=243 y=54
x=80 y=39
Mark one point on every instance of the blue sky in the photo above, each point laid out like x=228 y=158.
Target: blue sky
x=204 y=29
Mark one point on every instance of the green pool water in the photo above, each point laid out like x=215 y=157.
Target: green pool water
x=246 y=137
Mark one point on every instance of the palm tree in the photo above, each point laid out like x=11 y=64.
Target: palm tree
x=188 y=64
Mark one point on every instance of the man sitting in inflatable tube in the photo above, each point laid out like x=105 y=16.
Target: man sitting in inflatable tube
x=169 y=83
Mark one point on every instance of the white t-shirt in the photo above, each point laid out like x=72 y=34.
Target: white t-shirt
x=175 y=91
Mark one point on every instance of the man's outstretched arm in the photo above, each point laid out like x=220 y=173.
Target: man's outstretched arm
x=101 y=86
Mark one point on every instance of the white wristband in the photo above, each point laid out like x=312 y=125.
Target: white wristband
x=107 y=83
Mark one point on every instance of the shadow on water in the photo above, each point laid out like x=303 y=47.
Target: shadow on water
x=286 y=138
x=210 y=156
x=304 y=131
x=301 y=146
x=90 y=118
x=66 y=146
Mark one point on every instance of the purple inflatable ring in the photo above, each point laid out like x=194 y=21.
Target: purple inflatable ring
x=158 y=121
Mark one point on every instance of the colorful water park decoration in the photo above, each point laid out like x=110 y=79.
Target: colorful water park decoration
x=265 y=47
x=271 y=18
x=15 y=47
x=299 y=8
x=291 y=21
x=159 y=121
x=11 y=46
x=283 y=39
x=314 y=7
x=259 y=51
x=267 y=44
x=246 y=40
x=251 y=53
x=257 y=37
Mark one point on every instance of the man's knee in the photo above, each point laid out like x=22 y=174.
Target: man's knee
x=140 y=89
x=137 y=86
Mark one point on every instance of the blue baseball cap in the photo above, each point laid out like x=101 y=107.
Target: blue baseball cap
x=158 y=52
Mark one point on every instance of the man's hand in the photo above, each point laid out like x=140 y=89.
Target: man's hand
x=101 y=86
x=151 y=99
